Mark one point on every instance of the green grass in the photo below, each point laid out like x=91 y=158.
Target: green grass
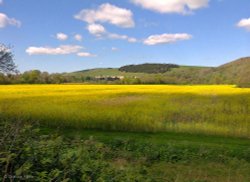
x=88 y=155
x=159 y=138
x=171 y=156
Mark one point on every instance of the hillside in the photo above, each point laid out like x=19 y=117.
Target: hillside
x=180 y=71
x=148 y=68
x=235 y=72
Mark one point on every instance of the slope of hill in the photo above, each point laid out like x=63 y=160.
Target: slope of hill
x=235 y=72
x=116 y=72
x=148 y=68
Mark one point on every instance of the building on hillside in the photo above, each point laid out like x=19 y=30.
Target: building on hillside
x=109 y=78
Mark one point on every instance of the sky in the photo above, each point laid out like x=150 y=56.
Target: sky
x=72 y=35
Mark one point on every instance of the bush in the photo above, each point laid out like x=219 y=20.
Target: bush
x=28 y=156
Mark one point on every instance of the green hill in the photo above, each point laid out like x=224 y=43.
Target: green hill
x=235 y=72
x=116 y=72
x=148 y=68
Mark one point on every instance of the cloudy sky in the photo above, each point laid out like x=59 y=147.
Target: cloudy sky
x=70 y=35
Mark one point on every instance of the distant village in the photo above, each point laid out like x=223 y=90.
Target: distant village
x=109 y=78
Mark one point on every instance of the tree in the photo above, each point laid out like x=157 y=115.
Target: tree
x=33 y=76
x=7 y=64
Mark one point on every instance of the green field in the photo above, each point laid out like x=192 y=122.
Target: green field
x=127 y=133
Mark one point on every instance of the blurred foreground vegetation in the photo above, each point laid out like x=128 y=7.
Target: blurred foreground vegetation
x=30 y=152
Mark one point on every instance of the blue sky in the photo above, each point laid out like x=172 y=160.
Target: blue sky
x=66 y=35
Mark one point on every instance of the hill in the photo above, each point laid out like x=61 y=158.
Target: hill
x=148 y=68
x=235 y=72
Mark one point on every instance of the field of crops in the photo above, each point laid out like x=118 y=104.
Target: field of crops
x=219 y=110
x=73 y=133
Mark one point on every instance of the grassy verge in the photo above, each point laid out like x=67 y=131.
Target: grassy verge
x=192 y=144
x=170 y=156
x=44 y=154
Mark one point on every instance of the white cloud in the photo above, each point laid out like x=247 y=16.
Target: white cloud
x=78 y=37
x=166 y=38
x=61 y=36
x=86 y=54
x=117 y=36
x=172 y=6
x=114 y=49
x=5 y=20
x=107 y=13
x=96 y=29
x=63 y=49
x=244 y=23
x=100 y=32
x=131 y=39
x=122 y=37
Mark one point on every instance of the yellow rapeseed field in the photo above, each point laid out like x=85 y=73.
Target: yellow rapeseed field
x=221 y=110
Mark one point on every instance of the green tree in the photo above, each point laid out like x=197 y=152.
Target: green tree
x=33 y=76
x=7 y=64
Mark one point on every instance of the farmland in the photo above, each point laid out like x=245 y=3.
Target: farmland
x=126 y=133
x=219 y=110
x=124 y=91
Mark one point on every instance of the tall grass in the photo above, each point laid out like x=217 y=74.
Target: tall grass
x=221 y=110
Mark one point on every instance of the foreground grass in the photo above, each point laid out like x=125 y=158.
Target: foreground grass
x=175 y=156
x=214 y=110
x=170 y=156
x=34 y=153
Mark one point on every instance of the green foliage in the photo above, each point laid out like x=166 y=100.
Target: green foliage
x=27 y=154
x=148 y=68
x=31 y=76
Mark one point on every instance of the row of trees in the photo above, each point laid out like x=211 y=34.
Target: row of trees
x=38 y=77
x=33 y=77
